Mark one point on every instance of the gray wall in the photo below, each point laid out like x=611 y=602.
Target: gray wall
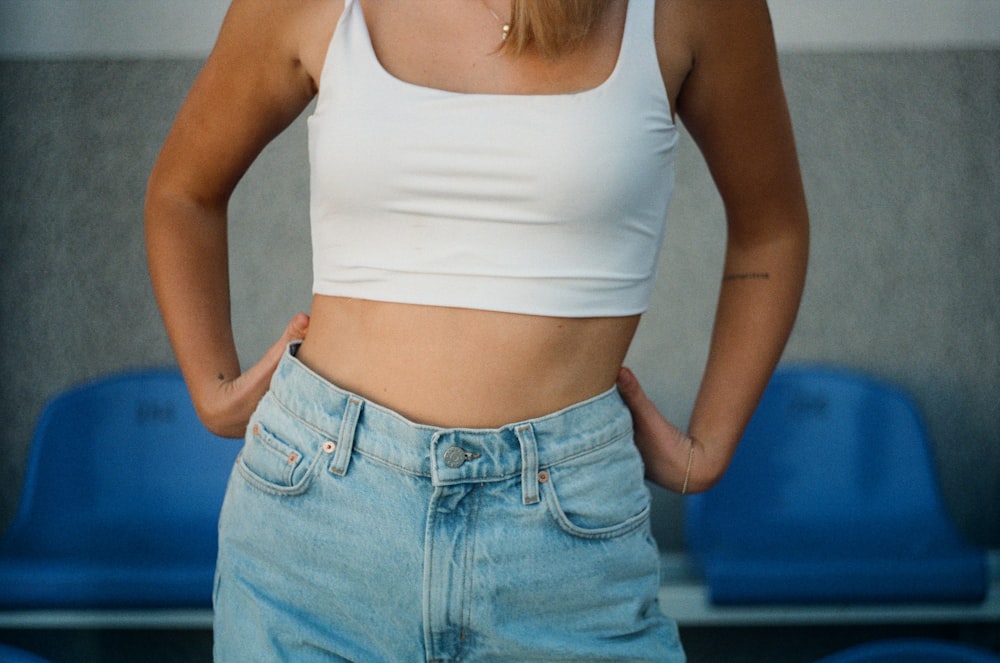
x=900 y=158
x=179 y=28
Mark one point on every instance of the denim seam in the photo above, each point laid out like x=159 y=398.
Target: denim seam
x=260 y=483
x=329 y=436
x=627 y=526
x=346 y=437
x=494 y=478
x=585 y=452
x=529 y=464
x=466 y=626
x=389 y=463
x=299 y=419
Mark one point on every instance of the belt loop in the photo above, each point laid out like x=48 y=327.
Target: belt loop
x=529 y=463
x=345 y=439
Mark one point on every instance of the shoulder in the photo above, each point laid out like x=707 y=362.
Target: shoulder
x=279 y=33
x=732 y=101
x=713 y=41
x=704 y=26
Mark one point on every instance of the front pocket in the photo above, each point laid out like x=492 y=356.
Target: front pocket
x=600 y=494
x=272 y=464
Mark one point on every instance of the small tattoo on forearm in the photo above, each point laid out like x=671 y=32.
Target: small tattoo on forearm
x=747 y=276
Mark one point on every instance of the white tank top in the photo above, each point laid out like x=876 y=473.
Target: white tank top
x=537 y=204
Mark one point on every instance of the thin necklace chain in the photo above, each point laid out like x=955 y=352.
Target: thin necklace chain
x=504 y=26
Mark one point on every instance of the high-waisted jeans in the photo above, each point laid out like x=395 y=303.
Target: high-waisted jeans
x=351 y=534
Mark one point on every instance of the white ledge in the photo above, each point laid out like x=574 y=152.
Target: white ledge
x=682 y=596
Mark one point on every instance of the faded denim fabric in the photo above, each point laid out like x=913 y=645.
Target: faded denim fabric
x=351 y=534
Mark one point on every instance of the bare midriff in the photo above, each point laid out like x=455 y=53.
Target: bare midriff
x=454 y=367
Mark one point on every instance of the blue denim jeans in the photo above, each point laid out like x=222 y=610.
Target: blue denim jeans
x=351 y=534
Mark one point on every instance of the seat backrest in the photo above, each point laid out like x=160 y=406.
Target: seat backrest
x=10 y=654
x=832 y=460
x=915 y=650
x=121 y=466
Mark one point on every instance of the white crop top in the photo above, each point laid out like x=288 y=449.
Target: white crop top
x=537 y=204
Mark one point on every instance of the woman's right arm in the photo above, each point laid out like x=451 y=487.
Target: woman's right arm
x=252 y=86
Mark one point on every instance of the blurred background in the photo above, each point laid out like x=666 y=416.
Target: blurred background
x=896 y=108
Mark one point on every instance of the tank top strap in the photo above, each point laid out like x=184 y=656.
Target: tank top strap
x=638 y=57
x=344 y=60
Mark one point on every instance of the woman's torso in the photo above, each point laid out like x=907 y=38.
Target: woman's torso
x=463 y=366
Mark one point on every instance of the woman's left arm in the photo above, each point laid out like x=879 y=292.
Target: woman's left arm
x=733 y=105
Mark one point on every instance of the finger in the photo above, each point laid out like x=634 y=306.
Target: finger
x=646 y=417
x=260 y=373
x=651 y=427
x=297 y=327
x=634 y=395
x=295 y=330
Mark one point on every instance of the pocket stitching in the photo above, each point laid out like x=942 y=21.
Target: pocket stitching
x=550 y=495
x=267 y=486
x=613 y=531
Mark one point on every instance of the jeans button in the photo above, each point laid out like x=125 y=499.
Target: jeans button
x=455 y=456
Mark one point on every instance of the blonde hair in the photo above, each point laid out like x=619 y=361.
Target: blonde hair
x=553 y=27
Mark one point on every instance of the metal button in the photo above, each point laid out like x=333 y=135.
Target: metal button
x=456 y=456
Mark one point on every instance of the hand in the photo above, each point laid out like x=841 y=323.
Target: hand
x=666 y=449
x=234 y=400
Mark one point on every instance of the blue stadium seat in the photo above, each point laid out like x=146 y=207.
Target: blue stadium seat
x=912 y=650
x=831 y=497
x=10 y=654
x=121 y=500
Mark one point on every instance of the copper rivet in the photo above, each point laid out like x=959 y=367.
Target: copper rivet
x=329 y=446
x=543 y=476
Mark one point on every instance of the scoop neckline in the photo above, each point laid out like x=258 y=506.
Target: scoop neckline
x=427 y=89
